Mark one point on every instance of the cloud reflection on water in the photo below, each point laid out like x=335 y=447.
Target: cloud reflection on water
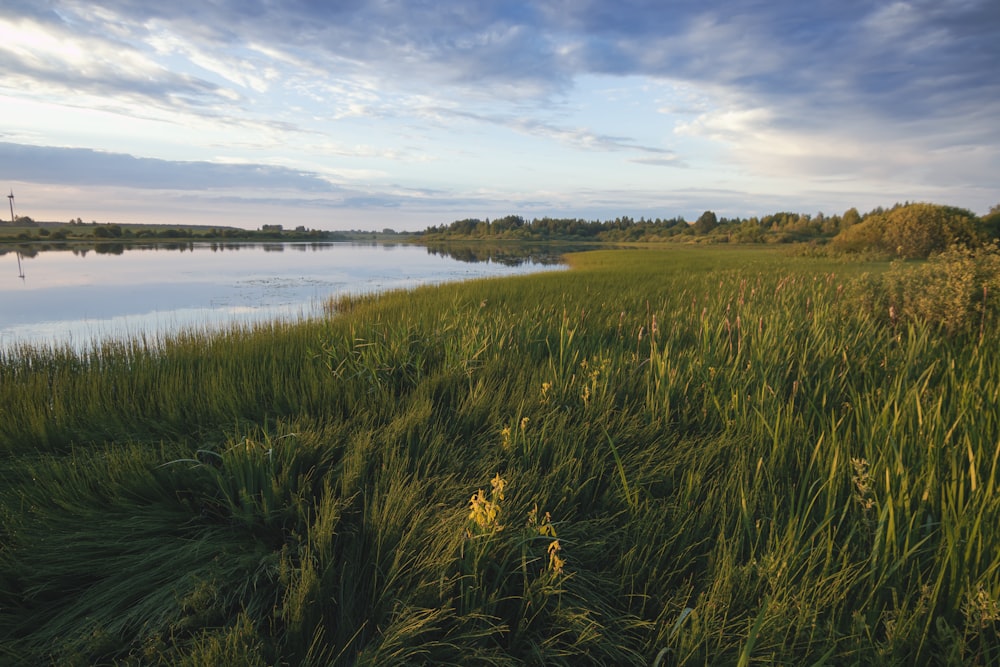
x=78 y=298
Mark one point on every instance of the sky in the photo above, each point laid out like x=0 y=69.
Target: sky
x=354 y=114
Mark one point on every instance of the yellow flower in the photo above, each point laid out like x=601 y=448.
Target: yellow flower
x=555 y=562
x=544 y=527
x=483 y=512
x=505 y=438
x=498 y=484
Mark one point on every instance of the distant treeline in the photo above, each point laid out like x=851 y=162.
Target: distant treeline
x=27 y=230
x=927 y=227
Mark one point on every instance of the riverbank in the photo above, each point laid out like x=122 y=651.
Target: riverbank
x=681 y=456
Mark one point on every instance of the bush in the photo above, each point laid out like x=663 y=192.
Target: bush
x=957 y=290
x=913 y=231
x=108 y=232
x=990 y=223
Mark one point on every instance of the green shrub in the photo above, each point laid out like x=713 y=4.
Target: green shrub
x=913 y=231
x=957 y=290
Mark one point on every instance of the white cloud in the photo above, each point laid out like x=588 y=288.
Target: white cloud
x=256 y=76
x=892 y=21
x=45 y=49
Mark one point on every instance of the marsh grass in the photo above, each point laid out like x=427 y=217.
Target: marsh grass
x=737 y=464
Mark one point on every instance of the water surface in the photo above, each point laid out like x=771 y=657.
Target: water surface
x=79 y=296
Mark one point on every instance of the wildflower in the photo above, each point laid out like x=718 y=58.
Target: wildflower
x=498 y=483
x=862 y=483
x=981 y=608
x=556 y=563
x=524 y=422
x=544 y=527
x=596 y=373
x=483 y=512
x=505 y=438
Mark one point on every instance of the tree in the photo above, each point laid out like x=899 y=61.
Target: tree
x=990 y=223
x=706 y=222
x=851 y=217
x=108 y=231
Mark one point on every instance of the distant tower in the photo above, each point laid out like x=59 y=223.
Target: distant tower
x=11 y=198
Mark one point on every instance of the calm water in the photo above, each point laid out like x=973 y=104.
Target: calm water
x=79 y=297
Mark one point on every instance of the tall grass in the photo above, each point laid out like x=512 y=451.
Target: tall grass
x=690 y=457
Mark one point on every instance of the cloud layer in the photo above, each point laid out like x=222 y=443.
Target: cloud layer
x=562 y=107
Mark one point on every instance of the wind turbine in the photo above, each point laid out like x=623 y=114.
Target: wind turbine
x=13 y=221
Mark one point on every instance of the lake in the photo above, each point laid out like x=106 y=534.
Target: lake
x=79 y=296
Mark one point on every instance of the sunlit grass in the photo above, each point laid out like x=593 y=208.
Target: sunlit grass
x=698 y=456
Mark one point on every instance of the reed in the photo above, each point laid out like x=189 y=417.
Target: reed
x=699 y=456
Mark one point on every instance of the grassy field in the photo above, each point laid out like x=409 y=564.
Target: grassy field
x=693 y=456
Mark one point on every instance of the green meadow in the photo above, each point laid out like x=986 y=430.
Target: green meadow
x=687 y=456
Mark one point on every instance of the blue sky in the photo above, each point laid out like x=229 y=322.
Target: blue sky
x=353 y=114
